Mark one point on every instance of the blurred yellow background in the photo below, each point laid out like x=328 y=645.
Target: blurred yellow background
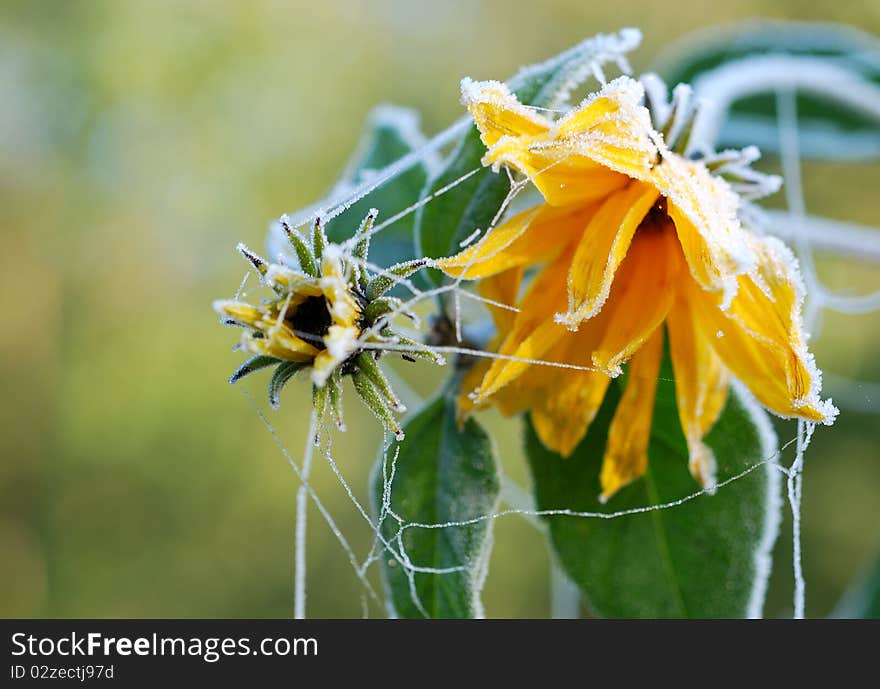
x=140 y=141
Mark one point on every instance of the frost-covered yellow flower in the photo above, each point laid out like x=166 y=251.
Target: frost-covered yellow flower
x=631 y=236
x=328 y=316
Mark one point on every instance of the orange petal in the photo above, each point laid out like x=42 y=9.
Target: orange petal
x=626 y=452
x=602 y=247
x=760 y=336
x=534 y=330
x=503 y=290
x=640 y=298
x=497 y=112
x=704 y=210
x=701 y=383
x=588 y=153
x=525 y=239
x=566 y=401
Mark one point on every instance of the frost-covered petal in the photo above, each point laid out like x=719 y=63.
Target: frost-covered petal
x=588 y=153
x=534 y=330
x=343 y=307
x=640 y=298
x=603 y=244
x=502 y=289
x=497 y=112
x=565 y=401
x=626 y=451
x=612 y=128
x=283 y=344
x=525 y=239
x=340 y=343
x=701 y=383
x=704 y=210
x=760 y=336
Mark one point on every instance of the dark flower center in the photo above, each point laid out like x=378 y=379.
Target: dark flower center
x=312 y=317
x=656 y=219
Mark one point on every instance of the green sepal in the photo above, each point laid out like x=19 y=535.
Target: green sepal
x=362 y=248
x=334 y=396
x=376 y=403
x=255 y=363
x=319 y=239
x=282 y=375
x=385 y=281
x=303 y=253
x=366 y=362
x=381 y=307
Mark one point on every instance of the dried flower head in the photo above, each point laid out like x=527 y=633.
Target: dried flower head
x=329 y=316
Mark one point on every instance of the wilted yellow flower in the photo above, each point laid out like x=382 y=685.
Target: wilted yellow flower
x=632 y=235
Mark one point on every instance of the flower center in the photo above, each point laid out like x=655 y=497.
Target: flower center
x=656 y=219
x=312 y=317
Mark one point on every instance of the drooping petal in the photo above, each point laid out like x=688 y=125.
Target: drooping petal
x=501 y=291
x=704 y=210
x=701 y=384
x=534 y=330
x=641 y=296
x=525 y=239
x=601 y=249
x=565 y=401
x=760 y=337
x=626 y=451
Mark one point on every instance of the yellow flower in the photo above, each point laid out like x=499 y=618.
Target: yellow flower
x=632 y=236
x=315 y=322
x=329 y=316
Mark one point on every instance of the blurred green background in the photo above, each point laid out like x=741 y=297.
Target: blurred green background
x=140 y=141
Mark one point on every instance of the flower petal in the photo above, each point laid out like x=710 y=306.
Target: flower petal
x=525 y=239
x=760 y=336
x=704 y=210
x=566 y=401
x=498 y=113
x=340 y=342
x=626 y=451
x=282 y=344
x=601 y=249
x=641 y=296
x=534 y=331
x=502 y=288
x=701 y=383
x=588 y=153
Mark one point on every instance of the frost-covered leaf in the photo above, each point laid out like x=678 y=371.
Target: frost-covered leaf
x=454 y=215
x=442 y=474
x=834 y=70
x=862 y=601
x=707 y=557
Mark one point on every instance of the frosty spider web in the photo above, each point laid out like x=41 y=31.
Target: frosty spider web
x=853 y=241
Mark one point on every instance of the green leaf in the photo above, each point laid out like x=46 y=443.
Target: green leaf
x=452 y=216
x=862 y=601
x=834 y=69
x=708 y=557
x=442 y=474
x=391 y=133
